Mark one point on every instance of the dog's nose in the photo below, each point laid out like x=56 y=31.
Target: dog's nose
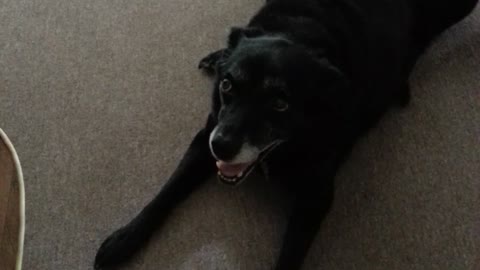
x=223 y=147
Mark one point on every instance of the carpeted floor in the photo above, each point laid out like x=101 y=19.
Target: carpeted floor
x=101 y=98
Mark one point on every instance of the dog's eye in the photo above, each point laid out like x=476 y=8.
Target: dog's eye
x=225 y=85
x=280 y=105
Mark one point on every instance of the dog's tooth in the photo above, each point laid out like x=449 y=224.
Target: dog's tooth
x=231 y=180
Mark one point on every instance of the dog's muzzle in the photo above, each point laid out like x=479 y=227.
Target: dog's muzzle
x=235 y=173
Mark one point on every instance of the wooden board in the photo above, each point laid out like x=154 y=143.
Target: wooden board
x=9 y=209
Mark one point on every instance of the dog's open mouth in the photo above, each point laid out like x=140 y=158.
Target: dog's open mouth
x=234 y=174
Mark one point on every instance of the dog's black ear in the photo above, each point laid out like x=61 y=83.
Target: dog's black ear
x=332 y=75
x=239 y=33
x=337 y=95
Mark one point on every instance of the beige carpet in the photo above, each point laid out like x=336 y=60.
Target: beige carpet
x=102 y=97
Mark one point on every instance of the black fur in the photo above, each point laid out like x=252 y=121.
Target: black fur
x=338 y=64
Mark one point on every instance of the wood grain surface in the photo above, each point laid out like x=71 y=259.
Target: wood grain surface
x=9 y=209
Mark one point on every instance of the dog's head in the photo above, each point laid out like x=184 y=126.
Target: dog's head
x=267 y=89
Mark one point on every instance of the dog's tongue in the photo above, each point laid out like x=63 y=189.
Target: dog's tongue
x=231 y=170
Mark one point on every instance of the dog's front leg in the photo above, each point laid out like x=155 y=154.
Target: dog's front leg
x=195 y=167
x=311 y=204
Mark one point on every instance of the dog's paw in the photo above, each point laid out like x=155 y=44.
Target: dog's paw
x=117 y=248
x=209 y=62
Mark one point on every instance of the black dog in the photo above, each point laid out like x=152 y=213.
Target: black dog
x=293 y=91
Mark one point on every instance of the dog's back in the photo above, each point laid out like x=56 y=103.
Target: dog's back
x=415 y=22
x=376 y=42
